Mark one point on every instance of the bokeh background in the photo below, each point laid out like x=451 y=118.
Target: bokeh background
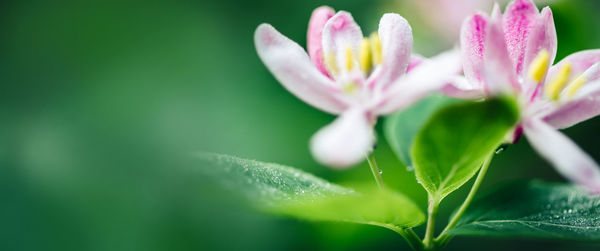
x=102 y=103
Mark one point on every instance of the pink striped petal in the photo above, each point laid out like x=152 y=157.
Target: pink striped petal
x=396 y=45
x=519 y=19
x=568 y=159
x=542 y=36
x=340 y=32
x=346 y=141
x=472 y=40
x=499 y=76
x=292 y=67
x=315 y=35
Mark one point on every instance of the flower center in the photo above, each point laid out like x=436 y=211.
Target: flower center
x=368 y=57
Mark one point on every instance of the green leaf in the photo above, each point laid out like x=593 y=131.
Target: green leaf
x=401 y=128
x=452 y=145
x=533 y=209
x=285 y=190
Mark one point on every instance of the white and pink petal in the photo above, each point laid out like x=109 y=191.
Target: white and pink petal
x=346 y=141
x=519 y=19
x=396 y=44
x=430 y=76
x=568 y=159
x=580 y=62
x=317 y=22
x=339 y=34
x=292 y=67
x=498 y=74
x=472 y=38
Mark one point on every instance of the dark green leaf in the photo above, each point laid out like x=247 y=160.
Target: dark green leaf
x=288 y=191
x=533 y=209
x=451 y=147
x=401 y=128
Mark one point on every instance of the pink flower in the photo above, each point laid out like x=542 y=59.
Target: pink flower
x=352 y=76
x=512 y=53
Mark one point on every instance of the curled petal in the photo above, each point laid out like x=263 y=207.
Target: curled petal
x=472 y=40
x=584 y=107
x=428 y=77
x=580 y=62
x=568 y=159
x=499 y=76
x=341 y=32
x=519 y=19
x=346 y=141
x=292 y=67
x=315 y=36
x=396 y=44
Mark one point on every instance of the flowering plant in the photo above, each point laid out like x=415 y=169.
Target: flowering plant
x=510 y=87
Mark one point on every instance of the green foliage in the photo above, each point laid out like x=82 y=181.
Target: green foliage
x=401 y=128
x=288 y=191
x=451 y=147
x=533 y=209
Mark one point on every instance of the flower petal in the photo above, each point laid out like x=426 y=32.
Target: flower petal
x=315 y=36
x=580 y=62
x=346 y=141
x=424 y=79
x=341 y=32
x=460 y=87
x=577 y=110
x=396 y=44
x=568 y=159
x=541 y=37
x=472 y=40
x=292 y=67
x=519 y=19
x=415 y=60
x=499 y=76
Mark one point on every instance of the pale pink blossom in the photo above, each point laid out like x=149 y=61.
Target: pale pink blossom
x=355 y=77
x=512 y=53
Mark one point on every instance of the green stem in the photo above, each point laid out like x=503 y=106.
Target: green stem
x=432 y=209
x=443 y=238
x=375 y=170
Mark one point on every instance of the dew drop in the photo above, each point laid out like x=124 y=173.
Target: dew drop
x=380 y=171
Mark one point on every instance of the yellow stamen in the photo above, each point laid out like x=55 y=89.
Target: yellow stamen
x=555 y=85
x=575 y=85
x=376 y=48
x=539 y=65
x=365 y=55
x=330 y=63
x=349 y=58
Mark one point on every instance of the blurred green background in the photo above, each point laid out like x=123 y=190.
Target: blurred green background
x=102 y=103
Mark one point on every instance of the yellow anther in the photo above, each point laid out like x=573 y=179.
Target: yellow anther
x=575 y=85
x=364 y=55
x=330 y=63
x=557 y=83
x=539 y=65
x=349 y=58
x=376 y=48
